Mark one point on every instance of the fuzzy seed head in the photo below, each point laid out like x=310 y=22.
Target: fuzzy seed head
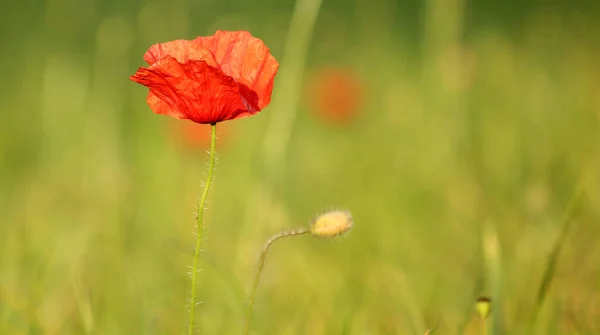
x=331 y=224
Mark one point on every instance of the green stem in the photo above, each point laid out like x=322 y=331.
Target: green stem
x=261 y=264
x=552 y=263
x=493 y=262
x=211 y=168
x=484 y=324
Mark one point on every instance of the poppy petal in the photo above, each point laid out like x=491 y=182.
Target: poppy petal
x=246 y=59
x=195 y=90
x=210 y=79
x=160 y=106
x=181 y=50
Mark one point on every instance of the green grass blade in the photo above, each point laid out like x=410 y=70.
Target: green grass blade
x=544 y=287
x=492 y=256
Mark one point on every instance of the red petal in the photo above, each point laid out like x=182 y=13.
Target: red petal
x=244 y=58
x=181 y=50
x=195 y=90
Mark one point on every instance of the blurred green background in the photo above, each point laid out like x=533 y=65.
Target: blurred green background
x=469 y=113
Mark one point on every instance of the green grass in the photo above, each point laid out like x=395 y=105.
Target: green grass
x=464 y=126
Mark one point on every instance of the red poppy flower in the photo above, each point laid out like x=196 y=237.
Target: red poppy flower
x=335 y=94
x=210 y=79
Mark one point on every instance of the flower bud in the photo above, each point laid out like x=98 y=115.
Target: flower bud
x=331 y=224
x=483 y=307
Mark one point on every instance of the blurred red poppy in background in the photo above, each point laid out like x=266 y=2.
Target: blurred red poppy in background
x=335 y=95
x=195 y=136
x=210 y=79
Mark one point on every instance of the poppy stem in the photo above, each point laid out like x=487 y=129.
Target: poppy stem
x=261 y=264
x=199 y=226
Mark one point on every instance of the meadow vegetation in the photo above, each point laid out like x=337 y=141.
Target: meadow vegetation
x=471 y=167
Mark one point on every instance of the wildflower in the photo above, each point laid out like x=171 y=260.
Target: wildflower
x=209 y=79
x=335 y=95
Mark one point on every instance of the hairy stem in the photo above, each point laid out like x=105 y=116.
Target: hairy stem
x=199 y=226
x=261 y=264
